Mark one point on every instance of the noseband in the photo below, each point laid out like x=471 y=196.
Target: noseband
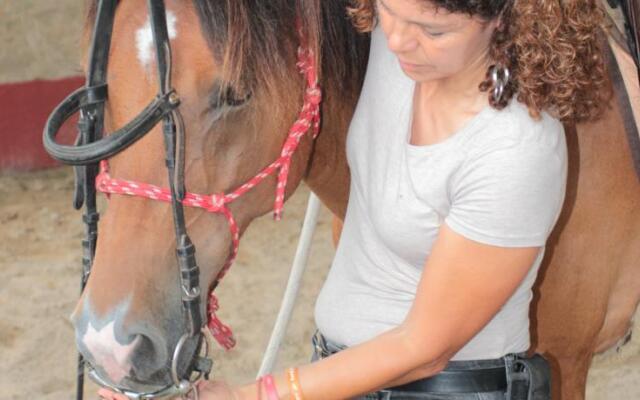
x=90 y=153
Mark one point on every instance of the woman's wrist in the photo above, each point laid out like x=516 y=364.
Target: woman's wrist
x=253 y=391
x=213 y=390
x=279 y=387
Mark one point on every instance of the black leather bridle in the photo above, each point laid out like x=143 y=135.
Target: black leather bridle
x=92 y=146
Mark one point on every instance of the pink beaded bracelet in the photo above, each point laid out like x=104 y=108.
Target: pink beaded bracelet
x=270 y=387
x=259 y=381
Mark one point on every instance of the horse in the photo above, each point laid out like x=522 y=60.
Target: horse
x=234 y=64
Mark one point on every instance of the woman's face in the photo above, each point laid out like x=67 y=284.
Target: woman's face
x=433 y=44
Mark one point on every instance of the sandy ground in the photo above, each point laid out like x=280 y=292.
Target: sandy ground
x=39 y=277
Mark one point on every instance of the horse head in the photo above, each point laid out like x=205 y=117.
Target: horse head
x=235 y=66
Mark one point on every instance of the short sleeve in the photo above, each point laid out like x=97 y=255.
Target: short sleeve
x=511 y=196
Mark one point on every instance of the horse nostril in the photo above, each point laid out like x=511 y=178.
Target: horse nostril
x=151 y=360
x=150 y=356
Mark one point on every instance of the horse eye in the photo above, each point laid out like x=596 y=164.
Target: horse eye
x=231 y=98
x=227 y=98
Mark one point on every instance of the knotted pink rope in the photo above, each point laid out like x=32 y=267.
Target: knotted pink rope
x=308 y=119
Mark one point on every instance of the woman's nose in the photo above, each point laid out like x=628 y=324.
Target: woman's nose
x=401 y=37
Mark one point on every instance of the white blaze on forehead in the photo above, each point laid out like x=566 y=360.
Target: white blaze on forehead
x=144 y=39
x=107 y=352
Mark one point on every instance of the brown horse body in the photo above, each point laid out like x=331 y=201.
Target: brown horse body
x=587 y=291
x=589 y=286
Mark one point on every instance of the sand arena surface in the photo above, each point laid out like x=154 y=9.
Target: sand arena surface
x=40 y=271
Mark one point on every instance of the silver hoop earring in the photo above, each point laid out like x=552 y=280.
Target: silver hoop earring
x=500 y=79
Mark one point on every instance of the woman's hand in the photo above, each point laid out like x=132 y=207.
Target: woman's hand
x=207 y=390
x=217 y=390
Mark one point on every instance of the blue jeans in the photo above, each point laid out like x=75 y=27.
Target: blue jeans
x=325 y=348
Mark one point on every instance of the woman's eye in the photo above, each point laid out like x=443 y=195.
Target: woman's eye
x=432 y=33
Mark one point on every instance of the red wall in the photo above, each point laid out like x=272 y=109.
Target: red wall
x=24 y=108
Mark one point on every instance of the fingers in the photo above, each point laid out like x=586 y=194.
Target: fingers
x=106 y=394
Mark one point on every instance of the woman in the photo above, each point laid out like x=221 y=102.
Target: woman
x=458 y=161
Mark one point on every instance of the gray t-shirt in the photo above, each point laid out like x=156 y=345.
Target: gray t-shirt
x=500 y=180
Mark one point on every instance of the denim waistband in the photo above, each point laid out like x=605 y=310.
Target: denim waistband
x=525 y=378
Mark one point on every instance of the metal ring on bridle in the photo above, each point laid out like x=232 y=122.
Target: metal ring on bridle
x=172 y=390
x=176 y=356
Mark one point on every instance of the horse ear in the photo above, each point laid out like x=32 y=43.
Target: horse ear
x=631 y=11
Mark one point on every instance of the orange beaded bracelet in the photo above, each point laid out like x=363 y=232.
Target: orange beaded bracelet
x=294 y=384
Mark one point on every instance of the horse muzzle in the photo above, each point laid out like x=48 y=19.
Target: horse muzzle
x=142 y=359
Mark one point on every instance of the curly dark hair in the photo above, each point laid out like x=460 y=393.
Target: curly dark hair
x=552 y=48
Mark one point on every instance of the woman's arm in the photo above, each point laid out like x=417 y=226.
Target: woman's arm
x=463 y=285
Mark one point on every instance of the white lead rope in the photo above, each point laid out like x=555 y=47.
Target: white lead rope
x=293 y=285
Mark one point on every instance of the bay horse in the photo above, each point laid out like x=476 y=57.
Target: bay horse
x=234 y=65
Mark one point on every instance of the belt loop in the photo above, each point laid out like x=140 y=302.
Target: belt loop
x=509 y=360
x=316 y=346
x=319 y=345
x=326 y=351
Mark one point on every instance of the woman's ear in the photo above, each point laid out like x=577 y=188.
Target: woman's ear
x=499 y=21
x=496 y=24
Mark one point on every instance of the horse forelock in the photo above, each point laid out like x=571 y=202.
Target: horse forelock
x=254 y=42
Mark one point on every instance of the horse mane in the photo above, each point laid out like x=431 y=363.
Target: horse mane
x=255 y=42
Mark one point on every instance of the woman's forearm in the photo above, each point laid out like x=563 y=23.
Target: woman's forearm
x=418 y=373
x=387 y=360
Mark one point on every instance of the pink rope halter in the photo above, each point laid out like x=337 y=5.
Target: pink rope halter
x=308 y=120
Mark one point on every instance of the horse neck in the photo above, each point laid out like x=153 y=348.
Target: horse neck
x=344 y=56
x=328 y=173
